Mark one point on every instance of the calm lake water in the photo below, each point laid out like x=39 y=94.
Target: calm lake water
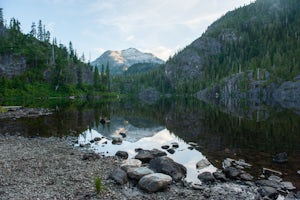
x=255 y=135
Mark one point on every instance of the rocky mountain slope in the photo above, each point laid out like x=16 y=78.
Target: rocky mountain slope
x=121 y=61
x=243 y=54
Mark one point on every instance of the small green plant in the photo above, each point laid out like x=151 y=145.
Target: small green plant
x=99 y=185
x=3 y=110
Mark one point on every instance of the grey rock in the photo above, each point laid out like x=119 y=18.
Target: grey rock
x=269 y=192
x=167 y=166
x=130 y=163
x=154 y=182
x=202 y=163
x=171 y=151
x=298 y=172
x=288 y=186
x=165 y=146
x=90 y=156
x=280 y=158
x=96 y=139
x=117 y=139
x=268 y=183
x=220 y=176
x=206 y=177
x=232 y=172
x=119 y=176
x=138 y=173
x=246 y=177
x=122 y=154
x=147 y=155
x=175 y=145
x=275 y=178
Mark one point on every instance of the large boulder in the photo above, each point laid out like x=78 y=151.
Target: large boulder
x=119 y=176
x=167 y=166
x=147 y=155
x=154 y=182
x=130 y=163
x=122 y=154
x=138 y=173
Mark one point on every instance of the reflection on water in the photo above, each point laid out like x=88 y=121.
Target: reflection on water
x=254 y=135
x=184 y=155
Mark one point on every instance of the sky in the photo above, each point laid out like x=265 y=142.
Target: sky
x=161 y=27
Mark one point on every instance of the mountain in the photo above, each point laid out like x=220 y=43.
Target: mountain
x=120 y=61
x=246 y=50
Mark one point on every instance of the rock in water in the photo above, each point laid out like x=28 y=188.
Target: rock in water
x=122 y=154
x=119 y=176
x=280 y=158
x=202 y=164
x=288 y=186
x=206 y=177
x=147 y=155
x=165 y=146
x=117 y=139
x=138 y=173
x=167 y=166
x=154 y=182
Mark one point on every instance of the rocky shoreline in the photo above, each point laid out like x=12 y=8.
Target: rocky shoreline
x=15 y=112
x=51 y=168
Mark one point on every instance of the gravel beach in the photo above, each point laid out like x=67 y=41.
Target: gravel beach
x=51 y=168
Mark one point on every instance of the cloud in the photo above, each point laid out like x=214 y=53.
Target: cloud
x=130 y=38
x=161 y=52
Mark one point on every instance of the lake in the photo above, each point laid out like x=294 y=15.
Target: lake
x=201 y=131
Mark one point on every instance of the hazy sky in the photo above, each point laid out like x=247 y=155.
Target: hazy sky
x=161 y=27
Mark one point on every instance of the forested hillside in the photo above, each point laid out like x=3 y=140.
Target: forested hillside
x=263 y=37
x=31 y=64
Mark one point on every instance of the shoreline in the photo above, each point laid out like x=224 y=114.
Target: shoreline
x=49 y=168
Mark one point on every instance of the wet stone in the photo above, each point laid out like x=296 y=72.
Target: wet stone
x=220 y=176
x=147 y=155
x=280 y=158
x=171 y=151
x=122 y=154
x=202 y=164
x=175 y=144
x=96 y=139
x=298 y=172
x=167 y=166
x=165 y=146
x=206 y=177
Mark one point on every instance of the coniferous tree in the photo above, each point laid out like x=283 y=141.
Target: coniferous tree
x=33 y=30
x=107 y=74
x=1 y=17
x=40 y=31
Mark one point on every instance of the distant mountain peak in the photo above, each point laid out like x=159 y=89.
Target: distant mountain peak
x=119 y=61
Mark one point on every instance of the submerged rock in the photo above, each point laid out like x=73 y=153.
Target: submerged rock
x=280 y=158
x=117 y=139
x=154 y=182
x=119 y=176
x=232 y=172
x=171 y=151
x=138 y=173
x=167 y=166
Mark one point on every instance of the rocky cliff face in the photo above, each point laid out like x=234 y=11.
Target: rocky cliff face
x=12 y=65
